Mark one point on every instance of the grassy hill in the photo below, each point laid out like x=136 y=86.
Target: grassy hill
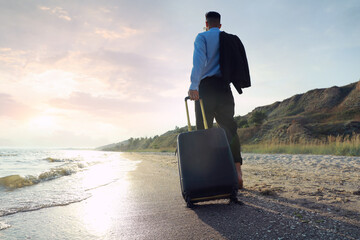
x=311 y=116
x=165 y=142
x=317 y=117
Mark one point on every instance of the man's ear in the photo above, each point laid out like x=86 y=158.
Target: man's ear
x=207 y=24
x=220 y=26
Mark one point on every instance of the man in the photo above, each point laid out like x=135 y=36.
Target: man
x=207 y=82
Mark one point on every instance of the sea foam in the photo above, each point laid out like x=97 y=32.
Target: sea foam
x=4 y=226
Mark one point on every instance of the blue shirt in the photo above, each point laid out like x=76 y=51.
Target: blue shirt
x=206 y=57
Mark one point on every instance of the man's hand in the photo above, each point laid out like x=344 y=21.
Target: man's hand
x=193 y=94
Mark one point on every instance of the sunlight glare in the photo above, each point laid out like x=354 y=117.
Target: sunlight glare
x=106 y=180
x=43 y=122
x=98 y=213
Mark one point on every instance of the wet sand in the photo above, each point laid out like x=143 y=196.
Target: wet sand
x=285 y=197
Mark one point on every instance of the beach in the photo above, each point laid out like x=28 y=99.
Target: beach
x=285 y=197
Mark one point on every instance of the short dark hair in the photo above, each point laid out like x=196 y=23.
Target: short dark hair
x=212 y=17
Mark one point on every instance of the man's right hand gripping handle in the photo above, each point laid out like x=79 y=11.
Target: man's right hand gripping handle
x=193 y=94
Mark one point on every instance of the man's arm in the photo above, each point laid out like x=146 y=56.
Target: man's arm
x=199 y=60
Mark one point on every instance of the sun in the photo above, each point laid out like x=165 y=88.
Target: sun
x=44 y=122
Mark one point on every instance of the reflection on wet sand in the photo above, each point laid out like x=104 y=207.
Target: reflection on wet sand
x=97 y=215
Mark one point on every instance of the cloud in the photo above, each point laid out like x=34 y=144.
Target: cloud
x=57 y=11
x=13 y=109
x=108 y=79
x=99 y=104
x=111 y=35
x=13 y=60
x=116 y=118
x=132 y=71
x=125 y=74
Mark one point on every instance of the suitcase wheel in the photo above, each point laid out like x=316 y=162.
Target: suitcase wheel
x=189 y=204
x=234 y=199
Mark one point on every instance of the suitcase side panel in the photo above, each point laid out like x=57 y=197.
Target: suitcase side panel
x=205 y=162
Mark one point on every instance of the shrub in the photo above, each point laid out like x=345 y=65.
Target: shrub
x=257 y=118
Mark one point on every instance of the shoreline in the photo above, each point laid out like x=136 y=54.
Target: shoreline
x=147 y=204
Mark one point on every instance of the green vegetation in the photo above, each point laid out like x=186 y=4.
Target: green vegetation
x=241 y=122
x=257 y=118
x=164 y=143
x=342 y=146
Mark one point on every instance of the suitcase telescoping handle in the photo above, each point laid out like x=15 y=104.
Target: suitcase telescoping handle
x=202 y=111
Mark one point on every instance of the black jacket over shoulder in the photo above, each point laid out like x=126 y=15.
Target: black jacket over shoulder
x=233 y=62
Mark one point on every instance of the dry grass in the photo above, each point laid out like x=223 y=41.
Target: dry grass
x=342 y=146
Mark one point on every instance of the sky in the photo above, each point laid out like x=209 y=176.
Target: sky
x=76 y=73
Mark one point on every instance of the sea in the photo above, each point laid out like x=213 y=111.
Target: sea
x=34 y=179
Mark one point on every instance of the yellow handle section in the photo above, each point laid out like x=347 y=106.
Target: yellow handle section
x=203 y=114
x=202 y=111
x=187 y=114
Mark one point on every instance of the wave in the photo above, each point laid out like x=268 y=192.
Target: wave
x=17 y=181
x=8 y=155
x=35 y=207
x=4 y=226
x=51 y=159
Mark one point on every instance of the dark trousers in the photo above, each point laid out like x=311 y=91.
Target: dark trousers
x=219 y=104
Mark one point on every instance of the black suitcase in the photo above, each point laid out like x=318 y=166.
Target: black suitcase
x=206 y=166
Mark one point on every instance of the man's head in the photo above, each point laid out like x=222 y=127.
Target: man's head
x=212 y=20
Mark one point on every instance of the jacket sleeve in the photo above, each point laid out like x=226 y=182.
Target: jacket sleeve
x=245 y=78
x=233 y=62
